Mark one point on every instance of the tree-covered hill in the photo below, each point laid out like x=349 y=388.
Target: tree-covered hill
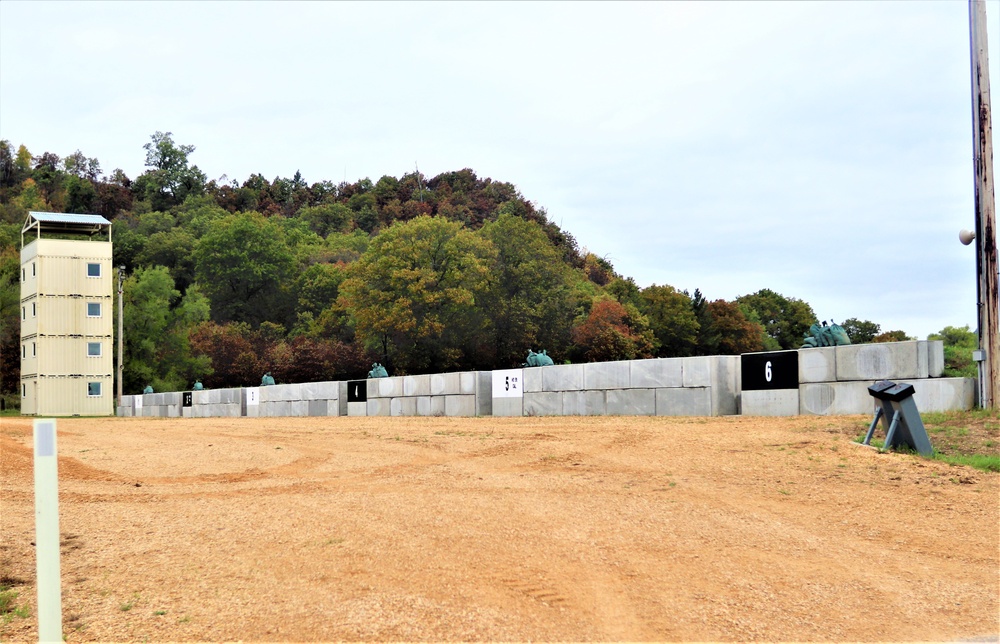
x=227 y=280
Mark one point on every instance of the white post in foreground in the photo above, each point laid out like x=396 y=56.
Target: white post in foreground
x=47 y=532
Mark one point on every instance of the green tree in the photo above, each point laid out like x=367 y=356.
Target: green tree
x=245 y=268
x=528 y=303
x=959 y=343
x=672 y=319
x=158 y=322
x=170 y=178
x=414 y=293
x=327 y=218
x=860 y=331
x=785 y=319
x=892 y=336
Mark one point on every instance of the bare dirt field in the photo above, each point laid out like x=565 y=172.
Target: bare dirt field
x=584 y=529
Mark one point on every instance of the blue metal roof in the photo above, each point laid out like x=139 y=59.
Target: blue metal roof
x=68 y=218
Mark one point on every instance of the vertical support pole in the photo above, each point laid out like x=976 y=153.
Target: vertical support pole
x=871 y=428
x=891 y=434
x=47 y=532
x=986 y=244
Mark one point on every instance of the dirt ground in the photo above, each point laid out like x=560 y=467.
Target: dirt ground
x=583 y=529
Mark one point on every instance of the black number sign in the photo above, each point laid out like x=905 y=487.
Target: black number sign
x=357 y=391
x=186 y=399
x=773 y=370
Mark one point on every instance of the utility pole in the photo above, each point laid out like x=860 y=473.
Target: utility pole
x=121 y=366
x=986 y=243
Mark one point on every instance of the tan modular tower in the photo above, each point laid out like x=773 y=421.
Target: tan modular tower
x=66 y=315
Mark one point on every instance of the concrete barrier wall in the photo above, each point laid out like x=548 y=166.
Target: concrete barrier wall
x=464 y=393
x=832 y=380
x=698 y=386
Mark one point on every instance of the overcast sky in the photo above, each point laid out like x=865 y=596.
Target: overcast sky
x=821 y=150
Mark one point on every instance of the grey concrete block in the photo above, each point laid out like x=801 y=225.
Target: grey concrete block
x=127 y=401
x=356 y=408
x=686 y=401
x=560 y=377
x=327 y=390
x=656 y=373
x=438 y=405
x=403 y=406
x=385 y=387
x=607 y=375
x=253 y=411
x=935 y=358
x=186 y=412
x=697 y=371
x=171 y=398
x=232 y=396
x=461 y=405
x=173 y=411
x=318 y=407
x=203 y=397
x=298 y=408
x=584 y=403
x=818 y=364
x=770 y=402
x=378 y=406
x=424 y=405
x=445 y=384
x=881 y=361
x=542 y=403
x=631 y=402
x=835 y=398
x=944 y=394
x=725 y=385
x=508 y=407
x=467 y=382
x=417 y=385
x=281 y=408
x=531 y=379
x=484 y=393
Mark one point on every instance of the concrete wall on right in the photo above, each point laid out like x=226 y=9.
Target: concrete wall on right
x=835 y=380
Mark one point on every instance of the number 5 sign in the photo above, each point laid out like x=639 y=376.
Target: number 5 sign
x=507 y=383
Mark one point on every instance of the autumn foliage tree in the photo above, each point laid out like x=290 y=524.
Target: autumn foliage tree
x=613 y=331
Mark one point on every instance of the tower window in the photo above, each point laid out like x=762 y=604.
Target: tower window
x=93 y=389
x=93 y=309
x=94 y=349
x=93 y=270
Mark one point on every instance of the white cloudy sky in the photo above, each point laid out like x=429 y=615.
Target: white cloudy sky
x=822 y=150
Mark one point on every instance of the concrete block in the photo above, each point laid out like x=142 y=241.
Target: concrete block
x=378 y=406
x=584 y=403
x=725 y=379
x=818 y=364
x=320 y=390
x=317 y=407
x=461 y=405
x=404 y=406
x=835 y=398
x=531 y=379
x=446 y=384
x=686 y=401
x=697 y=371
x=560 y=377
x=437 y=406
x=186 y=412
x=171 y=398
x=542 y=403
x=298 y=408
x=417 y=385
x=126 y=402
x=203 y=397
x=467 y=382
x=253 y=411
x=607 y=375
x=281 y=408
x=508 y=407
x=770 y=402
x=881 y=361
x=356 y=408
x=484 y=393
x=385 y=387
x=944 y=394
x=423 y=405
x=173 y=411
x=631 y=402
x=935 y=358
x=656 y=373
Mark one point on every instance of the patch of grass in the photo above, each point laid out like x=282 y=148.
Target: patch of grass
x=9 y=609
x=966 y=438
